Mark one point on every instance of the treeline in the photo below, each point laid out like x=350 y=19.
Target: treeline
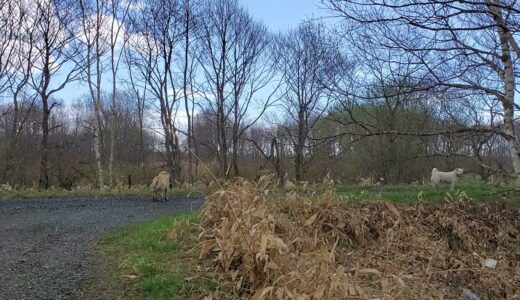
x=202 y=89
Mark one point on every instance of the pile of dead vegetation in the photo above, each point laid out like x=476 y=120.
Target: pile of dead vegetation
x=275 y=245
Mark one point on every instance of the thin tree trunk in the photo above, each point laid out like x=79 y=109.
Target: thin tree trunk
x=141 y=136
x=276 y=157
x=509 y=91
x=300 y=143
x=112 y=129
x=236 y=122
x=44 y=146
x=298 y=161
x=97 y=106
x=97 y=145
x=223 y=142
x=221 y=115
x=114 y=67
x=193 y=140
x=235 y=155
x=10 y=162
x=185 y=89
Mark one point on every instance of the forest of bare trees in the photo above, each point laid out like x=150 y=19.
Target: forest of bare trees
x=94 y=91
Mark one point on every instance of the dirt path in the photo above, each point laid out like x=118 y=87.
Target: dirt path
x=44 y=244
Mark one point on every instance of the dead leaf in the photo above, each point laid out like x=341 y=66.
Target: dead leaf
x=130 y=276
x=191 y=278
x=392 y=208
x=369 y=271
x=234 y=275
x=311 y=220
x=320 y=291
x=263 y=243
x=172 y=235
x=265 y=291
x=207 y=246
x=271 y=265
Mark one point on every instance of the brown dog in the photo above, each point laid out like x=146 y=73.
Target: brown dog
x=160 y=185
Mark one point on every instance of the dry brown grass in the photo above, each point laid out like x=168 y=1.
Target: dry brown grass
x=283 y=245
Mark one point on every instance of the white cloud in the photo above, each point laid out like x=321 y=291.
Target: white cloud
x=110 y=31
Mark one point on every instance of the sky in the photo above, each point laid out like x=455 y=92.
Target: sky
x=280 y=15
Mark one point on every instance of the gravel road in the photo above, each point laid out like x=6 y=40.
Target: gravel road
x=44 y=244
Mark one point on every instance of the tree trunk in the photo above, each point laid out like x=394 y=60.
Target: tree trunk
x=221 y=126
x=97 y=145
x=277 y=158
x=10 y=162
x=300 y=144
x=224 y=146
x=44 y=146
x=113 y=118
x=141 y=137
x=235 y=152
x=185 y=88
x=112 y=149
x=509 y=90
x=171 y=143
x=298 y=161
x=168 y=146
x=97 y=103
x=176 y=155
x=512 y=142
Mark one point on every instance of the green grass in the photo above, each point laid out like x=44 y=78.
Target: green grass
x=413 y=193
x=147 y=264
x=137 y=191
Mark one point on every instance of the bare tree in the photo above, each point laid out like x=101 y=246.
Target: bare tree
x=466 y=46
x=216 y=42
x=139 y=92
x=12 y=17
x=93 y=21
x=16 y=63
x=158 y=30
x=309 y=61
x=55 y=67
x=191 y=10
x=235 y=59
x=252 y=72
x=118 y=10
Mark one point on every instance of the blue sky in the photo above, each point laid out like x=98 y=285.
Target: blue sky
x=280 y=15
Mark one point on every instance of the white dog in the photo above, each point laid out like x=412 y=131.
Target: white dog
x=448 y=177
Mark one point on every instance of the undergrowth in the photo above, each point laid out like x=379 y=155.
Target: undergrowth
x=271 y=244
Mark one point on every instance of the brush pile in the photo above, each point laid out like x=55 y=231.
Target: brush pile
x=284 y=245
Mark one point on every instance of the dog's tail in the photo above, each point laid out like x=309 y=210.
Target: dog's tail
x=154 y=184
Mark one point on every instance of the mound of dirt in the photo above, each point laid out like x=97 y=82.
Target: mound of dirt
x=283 y=245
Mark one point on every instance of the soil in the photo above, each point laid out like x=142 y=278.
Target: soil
x=46 y=246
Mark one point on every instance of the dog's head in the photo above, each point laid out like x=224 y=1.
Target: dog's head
x=459 y=172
